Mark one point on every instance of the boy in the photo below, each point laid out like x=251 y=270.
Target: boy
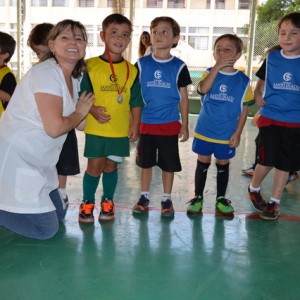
x=277 y=94
x=7 y=79
x=226 y=95
x=113 y=120
x=164 y=80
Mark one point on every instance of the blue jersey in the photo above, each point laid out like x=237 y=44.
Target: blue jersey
x=160 y=90
x=222 y=106
x=282 y=88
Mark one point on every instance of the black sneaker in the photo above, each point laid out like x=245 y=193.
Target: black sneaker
x=141 y=206
x=257 y=200
x=271 y=211
x=167 y=209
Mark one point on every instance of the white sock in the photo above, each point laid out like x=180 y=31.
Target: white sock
x=253 y=189
x=146 y=194
x=165 y=197
x=277 y=201
x=63 y=193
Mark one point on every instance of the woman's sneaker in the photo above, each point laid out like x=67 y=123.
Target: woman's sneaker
x=224 y=206
x=107 y=212
x=195 y=205
x=292 y=176
x=167 y=209
x=141 y=206
x=271 y=211
x=257 y=200
x=86 y=212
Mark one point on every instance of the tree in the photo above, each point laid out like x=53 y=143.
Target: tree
x=268 y=15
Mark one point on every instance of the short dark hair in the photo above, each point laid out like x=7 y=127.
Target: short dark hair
x=39 y=35
x=232 y=37
x=175 y=26
x=117 y=19
x=293 y=17
x=7 y=45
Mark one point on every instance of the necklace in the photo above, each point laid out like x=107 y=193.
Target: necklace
x=119 y=91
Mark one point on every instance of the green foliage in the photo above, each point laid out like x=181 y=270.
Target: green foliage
x=268 y=16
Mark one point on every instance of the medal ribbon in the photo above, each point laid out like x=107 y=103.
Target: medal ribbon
x=119 y=91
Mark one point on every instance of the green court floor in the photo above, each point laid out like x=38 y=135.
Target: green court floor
x=190 y=258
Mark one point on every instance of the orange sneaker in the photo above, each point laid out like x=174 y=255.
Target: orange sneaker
x=107 y=210
x=86 y=212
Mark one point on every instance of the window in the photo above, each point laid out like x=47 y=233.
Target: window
x=38 y=2
x=220 y=4
x=199 y=42
x=60 y=3
x=154 y=3
x=90 y=34
x=176 y=3
x=198 y=37
x=86 y=3
x=222 y=30
x=115 y=3
x=244 y=4
x=99 y=41
x=13 y=2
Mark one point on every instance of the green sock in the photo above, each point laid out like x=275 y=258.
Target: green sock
x=109 y=184
x=90 y=184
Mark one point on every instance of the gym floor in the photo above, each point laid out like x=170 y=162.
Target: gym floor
x=201 y=257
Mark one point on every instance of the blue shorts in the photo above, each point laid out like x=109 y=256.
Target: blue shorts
x=220 y=151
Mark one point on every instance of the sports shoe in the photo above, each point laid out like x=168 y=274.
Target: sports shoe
x=195 y=205
x=224 y=206
x=167 y=209
x=86 y=212
x=257 y=200
x=248 y=171
x=107 y=210
x=292 y=176
x=141 y=206
x=271 y=211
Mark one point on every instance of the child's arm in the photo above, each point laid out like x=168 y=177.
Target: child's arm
x=236 y=137
x=205 y=84
x=4 y=96
x=135 y=123
x=184 y=111
x=259 y=100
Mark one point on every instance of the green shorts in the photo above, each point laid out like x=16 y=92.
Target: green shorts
x=99 y=146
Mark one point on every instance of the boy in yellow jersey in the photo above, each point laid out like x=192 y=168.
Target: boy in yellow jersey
x=7 y=78
x=114 y=119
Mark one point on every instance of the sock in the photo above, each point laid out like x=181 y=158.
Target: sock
x=277 y=201
x=200 y=177
x=165 y=197
x=253 y=189
x=222 y=179
x=63 y=193
x=146 y=194
x=90 y=184
x=109 y=183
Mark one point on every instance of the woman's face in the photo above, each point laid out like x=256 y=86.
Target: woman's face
x=68 y=46
x=145 y=39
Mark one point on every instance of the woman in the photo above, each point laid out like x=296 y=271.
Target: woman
x=43 y=109
x=145 y=46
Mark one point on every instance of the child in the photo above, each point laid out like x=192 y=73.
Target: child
x=277 y=94
x=164 y=79
x=226 y=95
x=7 y=79
x=113 y=120
x=68 y=163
